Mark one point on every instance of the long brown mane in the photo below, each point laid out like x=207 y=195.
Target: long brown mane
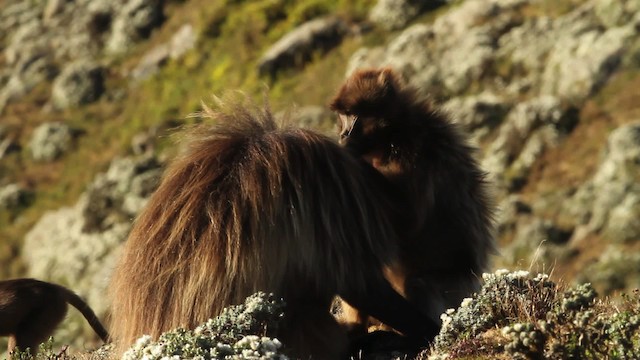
x=250 y=205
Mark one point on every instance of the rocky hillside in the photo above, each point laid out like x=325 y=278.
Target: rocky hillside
x=90 y=92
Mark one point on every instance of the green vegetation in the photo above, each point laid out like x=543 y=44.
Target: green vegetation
x=514 y=316
x=517 y=316
x=233 y=36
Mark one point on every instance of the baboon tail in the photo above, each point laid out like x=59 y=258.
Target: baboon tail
x=86 y=311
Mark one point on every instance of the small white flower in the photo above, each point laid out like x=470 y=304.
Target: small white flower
x=501 y=272
x=466 y=302
x=142 y=341
x=541 y=277
x=248 y=353
x=446 y=320
x=450 y=311
x=506 y=330
x=156 y=350
x=520 y=274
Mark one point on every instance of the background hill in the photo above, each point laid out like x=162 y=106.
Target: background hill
x=90 y=92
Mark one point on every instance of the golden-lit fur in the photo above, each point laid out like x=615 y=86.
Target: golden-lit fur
x=447 y=227
x=31 y=309
x=250 y=206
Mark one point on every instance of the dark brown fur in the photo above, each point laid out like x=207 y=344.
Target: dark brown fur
x=31 y=309
x=447 y=234
x=249 y=207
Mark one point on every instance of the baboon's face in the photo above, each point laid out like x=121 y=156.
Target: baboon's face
x=365 y=136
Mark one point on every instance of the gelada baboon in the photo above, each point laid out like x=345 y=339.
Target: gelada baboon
x=250 y=206
x=447 y=221
x=31 y=309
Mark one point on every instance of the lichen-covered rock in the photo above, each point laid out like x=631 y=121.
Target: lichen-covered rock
x=623 y=224
x=79 y=83
x=133 y=22
x=50 y=140
x=479 y=114
x=614 y=270
x=79 y=245
x=296 y=48
x=528 y=130
x=8 y=142
x=120 y=193
x=394 y=14
x=314 y=117
x=31 y=69
x=12 y=196
x=608 y=201
x=579 y=65
x=181 y=42
x=537 y=241
x=445 y=58
x=616 y=12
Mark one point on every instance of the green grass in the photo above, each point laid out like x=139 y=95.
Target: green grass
x=234 y=35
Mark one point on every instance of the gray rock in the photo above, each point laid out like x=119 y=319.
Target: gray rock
x=50 y=140
x=405 y=53
x=79 y=83
x=29 y=71
x=314 y=117
x=129 y=180
x=66 y=247
x=8 y=142
x=623 y=224
x=394 y=14
x=608 y=202
x=509 y=210
x=52 y=8
x=13 y=14
x=132 y=23
x=60 y=251
x=537 y=241
x=12 y=196
x=616 y=269
x=616 y=12
x=479 y=114
x=150 y=64
x=529 y=129
x=579 y=65
x=296 y=48
x=181 y=42
x=445 y=58
x=466 y=61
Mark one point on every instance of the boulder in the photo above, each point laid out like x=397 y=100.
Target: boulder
x=133 y=22
x=298 y=46
x=12 y=196
x=80 y=83
x=50 y=140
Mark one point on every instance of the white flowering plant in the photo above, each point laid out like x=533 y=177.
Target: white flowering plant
x=240 y=332
x=517 y=315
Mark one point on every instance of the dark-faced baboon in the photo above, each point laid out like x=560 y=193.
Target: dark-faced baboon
x=31 y=309
x=249 y=207
x=447 y=222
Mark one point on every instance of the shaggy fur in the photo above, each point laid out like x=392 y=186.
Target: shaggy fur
x=448 y=227
x=250 y=206
x=30 y=310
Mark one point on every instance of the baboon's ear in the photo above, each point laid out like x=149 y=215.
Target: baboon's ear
x=388 y=82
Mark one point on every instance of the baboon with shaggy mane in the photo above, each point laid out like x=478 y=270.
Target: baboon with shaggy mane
x=31 y=309
x=447 y=227
x=249 y=206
